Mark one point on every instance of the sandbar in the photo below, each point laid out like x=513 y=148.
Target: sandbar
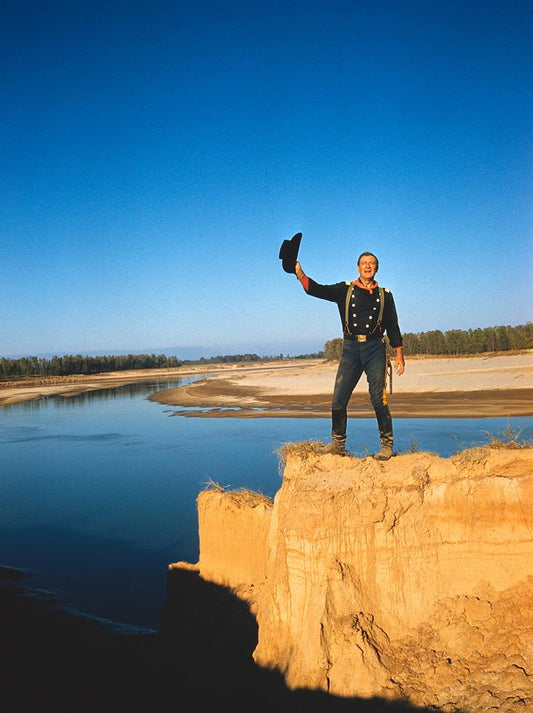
x=463 y=387
x=431 y=387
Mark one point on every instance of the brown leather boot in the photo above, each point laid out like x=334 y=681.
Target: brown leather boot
x=336 y=447
x=385 y=453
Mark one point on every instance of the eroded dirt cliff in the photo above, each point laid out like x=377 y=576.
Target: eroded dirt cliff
x=408 y=579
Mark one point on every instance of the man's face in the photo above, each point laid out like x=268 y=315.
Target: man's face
x=367 y=267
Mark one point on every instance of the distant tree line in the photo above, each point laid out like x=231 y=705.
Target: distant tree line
x=456 y=341
x=434 y=343
x=226 y=359
x=81 y=364
x=70 y=364
x=472 y=341
x=243 y=358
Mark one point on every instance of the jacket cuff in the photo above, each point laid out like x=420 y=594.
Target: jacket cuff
x=304 y=281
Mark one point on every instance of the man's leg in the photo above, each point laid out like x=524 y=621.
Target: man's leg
x=348 y=374
x=375 y=364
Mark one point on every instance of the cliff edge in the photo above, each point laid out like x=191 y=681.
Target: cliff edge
x=410 y=579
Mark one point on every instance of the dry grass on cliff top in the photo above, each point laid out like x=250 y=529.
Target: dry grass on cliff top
x=300 y=450
x=509 y=438
x=243 y=496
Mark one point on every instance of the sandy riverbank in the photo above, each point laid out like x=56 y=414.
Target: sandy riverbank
x=32 y=389
x=487 y=385
x=430 y=387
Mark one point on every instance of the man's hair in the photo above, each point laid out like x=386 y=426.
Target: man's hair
x=369 y=254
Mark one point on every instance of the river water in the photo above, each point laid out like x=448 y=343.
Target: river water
x=98 y=491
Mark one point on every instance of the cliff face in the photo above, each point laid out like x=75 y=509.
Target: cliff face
x=411 y=578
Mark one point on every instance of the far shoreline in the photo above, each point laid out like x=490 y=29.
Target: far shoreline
x=473 y=386
x=34 y=388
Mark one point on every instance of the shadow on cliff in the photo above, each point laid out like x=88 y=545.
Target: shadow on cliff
x=200 y=660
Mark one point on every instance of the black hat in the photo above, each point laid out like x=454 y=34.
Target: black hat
x=288 y=253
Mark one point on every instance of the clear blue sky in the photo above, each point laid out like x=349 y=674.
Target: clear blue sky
x=154 y=155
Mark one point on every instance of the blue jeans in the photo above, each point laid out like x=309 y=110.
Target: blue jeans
x=358 y=357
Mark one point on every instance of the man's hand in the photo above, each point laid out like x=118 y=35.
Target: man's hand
x=298 y=270
x=399 y=362
x=288 y=252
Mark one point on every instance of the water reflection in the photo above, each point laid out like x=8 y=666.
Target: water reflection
x=112 y=393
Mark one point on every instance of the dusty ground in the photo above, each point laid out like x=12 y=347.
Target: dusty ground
x=487 y=385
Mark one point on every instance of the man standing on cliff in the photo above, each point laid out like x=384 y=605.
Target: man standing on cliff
x=367 y=312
